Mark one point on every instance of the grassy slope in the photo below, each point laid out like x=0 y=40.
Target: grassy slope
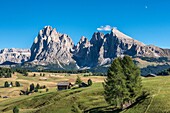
x=91 y=99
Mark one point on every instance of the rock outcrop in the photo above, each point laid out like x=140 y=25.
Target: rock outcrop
x=14 y=55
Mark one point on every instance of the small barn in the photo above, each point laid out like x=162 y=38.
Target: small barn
x=151 y=75
x=64 y=85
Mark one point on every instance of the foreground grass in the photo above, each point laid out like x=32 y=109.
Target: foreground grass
x=91 y=100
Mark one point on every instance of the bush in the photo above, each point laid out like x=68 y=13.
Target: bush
x=17 y=84
x=6 y=84
x=44 y=86
x=90 y=82
x=15 y=110
x=47 y=90
x=43 y=75
x=32 y=87
x=11 y=84
x=34 y=75
x=37 y=86
x=35 y=90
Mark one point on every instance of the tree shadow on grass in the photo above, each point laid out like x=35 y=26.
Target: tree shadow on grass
x=104 y=109
x=109 y=109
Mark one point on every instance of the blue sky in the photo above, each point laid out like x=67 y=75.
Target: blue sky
x=145 y=20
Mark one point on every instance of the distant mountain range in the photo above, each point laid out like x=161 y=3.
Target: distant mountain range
x=14 y=56
x=54 y=50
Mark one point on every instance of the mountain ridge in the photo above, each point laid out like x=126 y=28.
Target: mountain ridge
x=58 y=50
x=100 y=50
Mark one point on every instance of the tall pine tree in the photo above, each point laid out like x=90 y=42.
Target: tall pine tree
x=116 y=92
x=123 y=82
x=133 y=79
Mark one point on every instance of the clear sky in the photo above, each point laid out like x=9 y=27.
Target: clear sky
x=145 y=20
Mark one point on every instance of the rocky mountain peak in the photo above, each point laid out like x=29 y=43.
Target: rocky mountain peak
x=55 y=50
x=84 y=42
x=52 y=47
x=97 y=36
x=119 y=34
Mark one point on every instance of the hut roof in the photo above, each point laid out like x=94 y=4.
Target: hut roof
x=63 y=84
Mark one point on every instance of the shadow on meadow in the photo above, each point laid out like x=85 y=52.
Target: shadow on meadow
x=109 y=109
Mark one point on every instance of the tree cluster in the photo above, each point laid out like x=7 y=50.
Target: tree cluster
x=159 y=59
x=158 y=70
x=164 y=72
x=5 y=72
x=123 y=83
x=22 y=71
x=7 y=84
x=34 y=88
x=66 y=71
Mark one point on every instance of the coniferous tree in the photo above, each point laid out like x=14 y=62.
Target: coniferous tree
x=6 y=84
x=43 y=74
x=115 y=92
x=90 y=82
x=78 y=80
x=34 y=75
x=37 y=86
x=17 y=84
x=133 y=79
x=11 y=84
x=123 y=82
x=32 y=87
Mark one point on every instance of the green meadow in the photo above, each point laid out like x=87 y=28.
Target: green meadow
x=91 y=100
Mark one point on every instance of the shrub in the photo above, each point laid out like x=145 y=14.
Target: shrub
x=34 y=75
x=35 y=90
x=15 y=110
x=37 y=86
x=32 y=87
x=47 y=90
x=43 y=74
x=90 y=82
x=11 y=84
x=6 y=84
x=17 y=84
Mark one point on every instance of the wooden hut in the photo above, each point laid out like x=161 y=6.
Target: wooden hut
x=63 y=85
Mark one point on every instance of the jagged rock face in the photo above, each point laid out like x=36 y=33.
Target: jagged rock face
x=88 y=52
x=51 y=47
x=14 y=55
x=104 y=48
